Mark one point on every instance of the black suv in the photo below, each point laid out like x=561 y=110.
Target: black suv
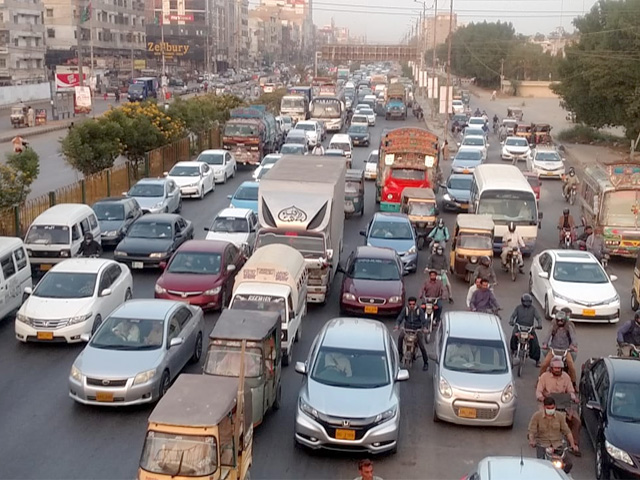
x=115 y=216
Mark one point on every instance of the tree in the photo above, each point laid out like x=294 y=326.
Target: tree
x=16 y=177
x=202 y=112
x=93 y=145
x=600 y=76
x=527 y=61
x=271 y=100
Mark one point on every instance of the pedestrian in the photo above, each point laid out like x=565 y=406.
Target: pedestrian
x=31 y=116
x=445 y=151
x=365 y=468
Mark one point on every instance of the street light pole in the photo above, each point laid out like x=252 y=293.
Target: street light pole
x=447 y=107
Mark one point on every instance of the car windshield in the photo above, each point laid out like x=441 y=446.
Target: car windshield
x=475 y=356
x=476 y=121
x=225 y=361
x=183 y=171
x=374 y=269
x=480 y=242
x=292 y=149
x=345 y=147
x=407 y=174
x=468 y=155
x=179 y=455
x=547 y=157
x=240 y=130
x=373 y=158
x=361 y=119
x=246 y=193
x=263 y=172
x=391 y=230
x=309 y=246
x=109 y=212
x=422 y=209
x=473 y=131
x=198 y=263
x=578 y=272
x=358 y=129
x=517 y=142
x=617 y=209
x=211 y=158
x=147 y=190
x=473 y=141
x=366 y=111
x=625 y=402
x=148 y=229
x=460 y=183
x=269 y=160
x=351 y=368
x=509 y=206
x=307 y=127
x=230 y=225
x=66 y=285
x=129 y=334
x=48 y=235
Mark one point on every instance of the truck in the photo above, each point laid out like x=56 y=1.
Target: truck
x=250 y=134
x=306 y=212
x=396 y=106
x=301 y=90
x=323 y=86
x=296 y=106
x=378 y=79
x=408 y=158
x=343 y=73
x=143 y=88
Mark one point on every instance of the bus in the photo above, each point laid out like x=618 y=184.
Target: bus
x=503 y=192
x=329 y=110
x=609 y=197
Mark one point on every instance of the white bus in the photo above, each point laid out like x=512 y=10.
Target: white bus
x=329 y=110
x=503 y=192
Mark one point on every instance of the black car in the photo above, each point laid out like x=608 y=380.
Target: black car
x=359 y=134
x=115 y=216
x=610 y=412
x=152 y=239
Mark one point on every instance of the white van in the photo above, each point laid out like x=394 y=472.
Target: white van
x=342 y=141
x=15 y=274
x=57 y=234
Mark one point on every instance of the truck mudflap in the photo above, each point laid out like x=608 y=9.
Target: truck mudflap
x=389 y=207
x=245 y=156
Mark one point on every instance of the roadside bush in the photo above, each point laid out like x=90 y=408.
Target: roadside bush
x=588 y=135
x=271 y=100
x=93 y=145
x=16 y=177
x=204 y=111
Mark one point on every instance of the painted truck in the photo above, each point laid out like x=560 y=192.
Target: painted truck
x=301 y=90
x=250 y=134
x=408 y=158
x=323 y=86
x=396 y=106
x=306 y=212
x=343 y=73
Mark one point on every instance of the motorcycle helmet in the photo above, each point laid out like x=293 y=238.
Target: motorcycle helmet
x=88 y=237
x=512 y=227
x=637 y=317
x=565 y=212
x=439 y=249
x=440 y=223
x=572 y=171
x=526 y=300
x=486 y=261
x=561 y=316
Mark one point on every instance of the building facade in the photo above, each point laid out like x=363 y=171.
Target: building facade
x=441 y=24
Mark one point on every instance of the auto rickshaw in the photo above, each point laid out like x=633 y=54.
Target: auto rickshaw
x=524 y=130
x=509 y=125
x=472 y=240
x=466 y=96
x=354 y=192
x=262 y=359
x=18 y=116
x=635 y=286
x=515 y=112
x=541 y=134
x=420 y=205
x=201 y=428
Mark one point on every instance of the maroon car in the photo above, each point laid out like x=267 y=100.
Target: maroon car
x=372 y=282
x=201 y=272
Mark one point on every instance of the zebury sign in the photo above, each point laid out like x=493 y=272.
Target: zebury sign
x=170 y=50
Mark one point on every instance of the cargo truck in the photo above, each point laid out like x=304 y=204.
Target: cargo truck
x=296 y=106
x=396 y=106
x=301 y=204
x=250 y=134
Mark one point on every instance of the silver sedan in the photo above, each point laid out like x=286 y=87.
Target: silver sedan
x=137 y=352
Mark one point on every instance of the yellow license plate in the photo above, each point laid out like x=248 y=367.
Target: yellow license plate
x=104 y=397
x=464 y=205
x=589 y=312
x=45 y=267
x=343 y=434
x=45 y=335
x=549 y=173
x=466 y=170
x=467 y=412
x=370 y=309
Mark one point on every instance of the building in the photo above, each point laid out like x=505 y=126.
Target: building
x=296 y=17
x=22 y=43
x=441 y=25
x=265 y=38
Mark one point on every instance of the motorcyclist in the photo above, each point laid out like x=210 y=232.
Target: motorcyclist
x=571 y=180
x=440 y=234
x=502 y=132
x=485 y=270
x=485 y=116
x=496 y=119
x=510 y=240
x=566 y=222
x=318 y=150
x=412 y=317
x=433 y=288
x=629 y=334
x=595 y=244
x=588 y=231
x=89 y=248
x=526 y=315
x=483 y=299
x=561 y=337
x=439 y=262
x=477 y=113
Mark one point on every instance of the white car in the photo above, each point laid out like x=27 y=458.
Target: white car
x=312 y=130
x=371 y=165
x=477 y=142
x=267 y=161
x=235 y=225
x=477 y=121
x=457 y=106
x=574 y=279
x=341 y=141
x=222 y=162
x=515 y=149
x=546 y=162
x=369 y=113
x=194 y=179
x=73 y=298
x=360 y=119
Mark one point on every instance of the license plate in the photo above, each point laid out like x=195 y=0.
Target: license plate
x=104 y=397
x=343 y=434
x=467 y=412
x=549 y=174
x=589 y=312
x=137 y=265
x=466 y=170
x=45 y=267
x=45 y=335
x=370 y=309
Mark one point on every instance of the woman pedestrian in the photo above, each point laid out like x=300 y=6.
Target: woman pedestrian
x=445 y=151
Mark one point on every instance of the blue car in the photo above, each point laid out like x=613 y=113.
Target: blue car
x=394 y=230
x=458 y=192
x=246 y=196
x=466 y=160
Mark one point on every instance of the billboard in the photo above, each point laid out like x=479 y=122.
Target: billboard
x=82 y=101
x=68 y=77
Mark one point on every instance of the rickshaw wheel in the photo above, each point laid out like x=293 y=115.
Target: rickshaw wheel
x=634 y=301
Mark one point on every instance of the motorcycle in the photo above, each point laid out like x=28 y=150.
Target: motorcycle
x=571 y=196
x=567 y=240
x=557 y=456
x=524 y=335
x=605 y=260
x=513 y=257
x=429 y=305
x=635 y=350
x=409 y=347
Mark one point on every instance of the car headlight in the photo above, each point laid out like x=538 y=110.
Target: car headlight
x=412 y=250
x=445 y=388
x=112 y=233
x=617 y=453
x=158 y=205
x=144 y=377
x=308 y=409
x=395 y=300
x=158 y=254
x=76 y=374
x=348 y=297
x=507 y=393
x=557 y=296
x=120 y=253
x=24 y=319
x=213 y=291
x=159 y=289
x=29 y=253
x=447 y=197
x=65 y=253
x=614 y=299
x=79 y=318
x=386 y=415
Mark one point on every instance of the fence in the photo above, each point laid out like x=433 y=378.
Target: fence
x=110 y=182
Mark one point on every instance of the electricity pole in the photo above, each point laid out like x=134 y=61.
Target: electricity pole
x=447 y=106
x=79 y=10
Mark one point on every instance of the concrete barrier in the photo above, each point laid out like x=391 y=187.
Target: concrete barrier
x=13 y=94
x=532 y=89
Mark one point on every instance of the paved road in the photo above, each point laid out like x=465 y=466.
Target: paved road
x=53 y=438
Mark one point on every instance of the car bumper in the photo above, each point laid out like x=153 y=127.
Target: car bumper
x=489 y=413
x=554 y=173
x=218 y=177
x=139 y=263
x=455 y=205
x=110 y=241
x=68 y=334
x=357 y=308
x=621 y=470
x=370 y=175
x=409 y=262
x=360 y=141
x=190 y=191
x=113 y=396
x=510 y=157
x=590 y=314
x=206 y=302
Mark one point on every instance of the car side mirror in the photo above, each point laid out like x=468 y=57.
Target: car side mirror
x=106 y=292
x=162 y=265
x=330 y=254
x=85 y=337
x=301 y=368
x=28 y=290
x=231 y=268
x=613 y=278
x=402 y=375
x=363 y=233
x=544 y=275
x=229 y=197
x=125 y=194
x=175 y=342
x=166 y=174
x=593 y=405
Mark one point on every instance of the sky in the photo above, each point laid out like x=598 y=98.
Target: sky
x=384 y=21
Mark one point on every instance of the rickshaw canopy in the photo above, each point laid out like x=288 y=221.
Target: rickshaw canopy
x=418 y=194
x=250 y=325
x=469 y=221
x=354 y=175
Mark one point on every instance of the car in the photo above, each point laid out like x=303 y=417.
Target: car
x=534 y=180
x=576 y=280
x=610 y=412
x=515 y=468
x=287 y=122
x=270 y=159
x=195 y=179
x=136 y=353
x=371 y=165
x=457 y=106
x=515 y=149
x=263 y=172
x=342 y=141
x=466 y=160
x=372 y=282
x=458 y=192
x=478 y=121
x=293 y=149
x=359 y=135
x=369 y=113
x=546 y=162
x=156 y=195
x=201 y=272
x=222 y=162
x=477 y=142
x=475 y=130
x=297 y=136
x=359 y=119
x=246 y=196
x=393 y=230
x=472 y=379
x=235 y=225
x=72 y=299
x=350 y=394
x=152 y=239
x=115 y=216
x=312 y=129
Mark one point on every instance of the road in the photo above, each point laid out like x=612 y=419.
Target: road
x=54 y=438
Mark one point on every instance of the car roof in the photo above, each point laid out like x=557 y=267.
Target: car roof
x=340 y=137
x=64 y=211
x=623 y=369
x=479 y=326
x=365 y=251
x=158 y=217
x=462 y=175
x=514 y=137
x=296 y=145
x=305 y=122
x=234 y=212
x=10 y=242
x=113 y=200
x=296 y=133
x=204 y=246
x=340 y=333
x=248 y=184
x=514 y=468
x=466 y=148
x=188 y=164
x=213 y=150
x=474 y=136
x=390 y=217
x=577 y=256
x=146 y=308
x=82 y=265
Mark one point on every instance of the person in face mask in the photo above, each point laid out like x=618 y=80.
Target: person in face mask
x=629 y=334
x=89 y=247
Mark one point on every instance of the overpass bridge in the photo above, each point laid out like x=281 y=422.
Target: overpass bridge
x=339 y=53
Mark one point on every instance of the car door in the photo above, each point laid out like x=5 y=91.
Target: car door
x=207 y=177
x=539 y=283
x=103 y=302
x=253 y=227
x=230 y=165
x=173 y=195
x=231 y=256
x=589 y=394
x=9 y=284
x=178 y=234
x=185 y=318
x=118 y=286
x=174 y=355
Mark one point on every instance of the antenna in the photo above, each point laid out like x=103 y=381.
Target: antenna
x=521 y=458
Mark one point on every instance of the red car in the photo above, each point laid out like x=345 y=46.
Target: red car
x=201 y=272
x=372 y=282
x=534 y=181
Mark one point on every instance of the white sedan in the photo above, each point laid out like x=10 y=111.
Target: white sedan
x=222 y=162
x=547 y=163
x=368 y=112
x=574 y=279
x=73 y=298
x=476 y=142
x=195 y=179
x=516 y=149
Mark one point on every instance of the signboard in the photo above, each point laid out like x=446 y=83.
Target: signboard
x=179 y=18
x=67 y=78
x=82 y=101
x=170 y=50
x=432 y=87
x=444 y=108
x=139 y=64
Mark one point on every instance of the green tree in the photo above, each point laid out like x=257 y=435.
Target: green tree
x=204 y=111
x=526 y=61
x=93 y=145
x=271 y=100
x=16 y=177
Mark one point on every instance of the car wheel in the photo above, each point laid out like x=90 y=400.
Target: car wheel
x=197 y=349
x=96 y=324
x=435 y=414
x=128 y=295
x=166 y=209
x=165 y=383
x=201 y=193
x=179 y=209
x=602 y=469
x=223 y=298
x=634 y=301
x=278 y=401
x=224 y=180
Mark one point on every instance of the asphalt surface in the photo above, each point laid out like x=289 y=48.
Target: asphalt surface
x=48 y=436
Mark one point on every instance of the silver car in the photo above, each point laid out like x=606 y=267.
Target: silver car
x=137 y=352
x=157 y=195
x=350 y=396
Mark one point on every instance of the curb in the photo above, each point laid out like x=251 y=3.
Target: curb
x=5 y=137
